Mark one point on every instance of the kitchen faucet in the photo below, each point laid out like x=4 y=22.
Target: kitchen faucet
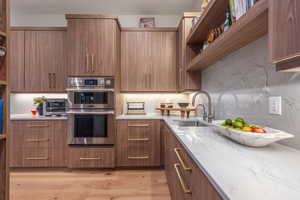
x=210 y=116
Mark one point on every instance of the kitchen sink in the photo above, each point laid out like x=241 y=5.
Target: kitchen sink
x=188 y=123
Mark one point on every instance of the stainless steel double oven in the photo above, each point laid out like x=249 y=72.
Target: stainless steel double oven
x=91 y=111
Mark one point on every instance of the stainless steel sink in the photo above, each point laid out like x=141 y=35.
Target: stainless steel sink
x=189 y=123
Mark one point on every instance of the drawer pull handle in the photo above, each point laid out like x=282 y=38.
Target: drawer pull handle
x=38 y=140
x=138 y=157
x=138 y=125
x=186 y=168
x=139 y=139
x=38 y=125
x=183 y=185
x=37 y=158
x=90 y=158
x=286 y=59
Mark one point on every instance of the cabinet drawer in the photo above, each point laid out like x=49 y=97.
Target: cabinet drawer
x=185 y=164
x=85 y=157
x=36 y=157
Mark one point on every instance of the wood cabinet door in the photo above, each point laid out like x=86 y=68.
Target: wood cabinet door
x=136 y=61
x=164 y=60
x=44 y=61
x=17 y=61
x=284 y=30
x=138 y=143
x=102 y=39
x=78 y=57
x=59 y=146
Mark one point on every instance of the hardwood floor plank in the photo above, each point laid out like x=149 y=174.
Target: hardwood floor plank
x=90 y=185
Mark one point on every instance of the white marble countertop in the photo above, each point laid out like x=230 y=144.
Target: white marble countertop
x=37 y=117
x=239 y=172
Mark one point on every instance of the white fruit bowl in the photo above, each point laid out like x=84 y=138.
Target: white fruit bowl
x=252 y=139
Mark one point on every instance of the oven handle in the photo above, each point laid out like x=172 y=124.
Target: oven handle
x=91 y=113
x=89 y=90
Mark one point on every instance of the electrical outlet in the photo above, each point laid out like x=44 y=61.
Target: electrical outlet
x=275 y=105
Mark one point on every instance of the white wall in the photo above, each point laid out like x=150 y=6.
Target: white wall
x=21 y=19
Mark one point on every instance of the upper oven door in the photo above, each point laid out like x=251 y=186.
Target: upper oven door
x=90 y=98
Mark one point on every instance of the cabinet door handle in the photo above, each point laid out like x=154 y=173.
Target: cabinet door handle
x=93 y=69
x=96 y=158
x=139 y=139
x=87 y=62
x=183 y=185
x=138 y=157
x=138 y=125
x=49 y=80
x=176 y=150
x=37 y=158
x=54 y=80
x=38 y=140
x=286 y=59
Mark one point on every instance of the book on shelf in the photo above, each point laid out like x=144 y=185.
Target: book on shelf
x=240 y=7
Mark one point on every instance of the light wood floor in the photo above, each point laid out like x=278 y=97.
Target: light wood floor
x=89 y=185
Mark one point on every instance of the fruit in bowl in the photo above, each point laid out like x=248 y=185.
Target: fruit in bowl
x=241 y=125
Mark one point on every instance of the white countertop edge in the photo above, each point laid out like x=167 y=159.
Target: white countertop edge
x=31 y=117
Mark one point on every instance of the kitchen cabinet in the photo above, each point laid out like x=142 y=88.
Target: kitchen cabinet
x=148 y=60
x=38 y=143
x=92 y=45
x=185 y=179
x=138 y=143
x=17 y=61
x=187 y=81
x=284 y=31
x=38 y=64
x=91 y=157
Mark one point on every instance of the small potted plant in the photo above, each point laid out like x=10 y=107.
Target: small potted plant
x=39 y=101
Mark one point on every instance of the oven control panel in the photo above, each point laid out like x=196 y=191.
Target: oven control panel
x=91 y=82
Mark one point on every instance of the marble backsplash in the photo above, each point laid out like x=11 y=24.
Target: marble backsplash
x=241 y=83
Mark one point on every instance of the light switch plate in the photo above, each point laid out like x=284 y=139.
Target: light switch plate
x=275 y=105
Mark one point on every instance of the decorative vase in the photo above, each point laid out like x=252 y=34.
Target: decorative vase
x=39 y=108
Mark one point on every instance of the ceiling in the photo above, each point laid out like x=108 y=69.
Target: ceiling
x=114 y=7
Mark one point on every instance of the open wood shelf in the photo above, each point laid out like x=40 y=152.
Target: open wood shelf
x=3 y=83
x=2 y=137
x=213 y=16
x=3 y=34
x=250 y=27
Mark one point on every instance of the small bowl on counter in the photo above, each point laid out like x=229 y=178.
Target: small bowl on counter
x=183 y=105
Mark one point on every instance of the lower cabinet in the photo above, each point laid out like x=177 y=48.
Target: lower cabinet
x=138 y=143
x=91 y=157
x=38 y=143
x=185 y=179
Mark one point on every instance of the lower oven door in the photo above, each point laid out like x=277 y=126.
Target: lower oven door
x=91 y=128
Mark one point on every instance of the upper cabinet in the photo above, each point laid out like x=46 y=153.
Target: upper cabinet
x=38 y=64
x=284 y=32
x=17 y=61
x=187 y=81
x=92 y=45
x=149 y=60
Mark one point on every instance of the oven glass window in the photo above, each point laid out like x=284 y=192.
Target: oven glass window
x=90 y=97
x=90 y=126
